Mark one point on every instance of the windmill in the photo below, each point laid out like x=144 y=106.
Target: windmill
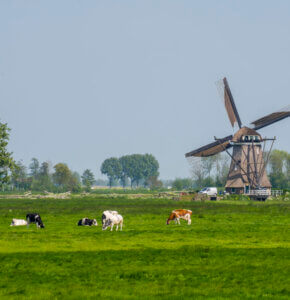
x=247 y=171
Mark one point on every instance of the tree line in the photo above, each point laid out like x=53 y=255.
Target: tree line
x=133 y=170
x=45 y=177
x=130 y=170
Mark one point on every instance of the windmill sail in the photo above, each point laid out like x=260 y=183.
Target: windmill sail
x=212 y=148
x=229 y=102
x=272 y=118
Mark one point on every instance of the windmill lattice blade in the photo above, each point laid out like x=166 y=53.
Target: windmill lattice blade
x=212 y=148
x=272 y=118
x=229 y=102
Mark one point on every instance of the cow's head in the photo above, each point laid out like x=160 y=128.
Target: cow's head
x=106 y=224
x=95 y=222
x=39 y=223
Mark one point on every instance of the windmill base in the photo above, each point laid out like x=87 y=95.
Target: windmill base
x=256 y=194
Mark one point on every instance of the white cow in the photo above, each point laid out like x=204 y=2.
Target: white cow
x=111 y=220
x=108 y=213
x=18 y=222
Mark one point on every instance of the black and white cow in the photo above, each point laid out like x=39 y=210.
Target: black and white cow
x=34 y=218
x=111 y=220
x=87 y=222
x=106 y=214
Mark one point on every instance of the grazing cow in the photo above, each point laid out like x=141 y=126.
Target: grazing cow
x=87 y=222
x=18 y=222
x=180 y=214
x=34 y=218
x=108 y=213
x=111 y=220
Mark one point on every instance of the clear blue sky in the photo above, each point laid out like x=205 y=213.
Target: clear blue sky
x=81 y=81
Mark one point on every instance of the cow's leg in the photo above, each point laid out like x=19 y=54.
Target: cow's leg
x=112 y=227
x=121 y=225
x=117 y=227
x=178 y=221
x=187 y=218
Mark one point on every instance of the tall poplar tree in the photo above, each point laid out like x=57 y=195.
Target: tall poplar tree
x=7 y=163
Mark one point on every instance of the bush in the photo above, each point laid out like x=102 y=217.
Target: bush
x=236 y=197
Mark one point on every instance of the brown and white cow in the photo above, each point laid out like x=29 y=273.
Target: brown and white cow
x=177 y=214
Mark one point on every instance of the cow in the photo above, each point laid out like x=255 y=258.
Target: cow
x=107 y=213
x=18 y=222
x=111 y=220
x=87 y=222
x=178 y=214
x=34 y=218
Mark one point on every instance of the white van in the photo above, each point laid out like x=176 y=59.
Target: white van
x=210 y=191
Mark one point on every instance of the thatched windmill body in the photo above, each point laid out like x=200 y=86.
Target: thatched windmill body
x=248 y=160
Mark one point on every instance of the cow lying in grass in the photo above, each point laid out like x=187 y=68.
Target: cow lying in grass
x=111 y=220
x=87 y=222
x=34 y=218
x=18 y=222
x=178 y=214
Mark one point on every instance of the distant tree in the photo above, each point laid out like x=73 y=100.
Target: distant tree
x=101 y=182
x=64 y=179
x=139 y=168
x=61 y=174
x=112 y=168
x=136 y=167
x=222 y=169
x=88 y=179
x=153 y=183
x=19 y=176
x=43 y=181
x=182 y=184
x=198 y=172
x=150 y=167
x=7 y=163
x=288 y=168
x=209 y=181
x=208 y=164
x=34 y=167
x=167 y=183
x=77 y=176
x=74 y=184
x=279 y=169
x=127 y=169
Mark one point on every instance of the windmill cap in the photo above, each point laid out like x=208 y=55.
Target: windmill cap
x=244 y=131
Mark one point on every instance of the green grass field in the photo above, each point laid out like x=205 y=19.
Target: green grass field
x=232 y=250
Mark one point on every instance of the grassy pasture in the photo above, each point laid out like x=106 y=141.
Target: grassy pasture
x=237 y=250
